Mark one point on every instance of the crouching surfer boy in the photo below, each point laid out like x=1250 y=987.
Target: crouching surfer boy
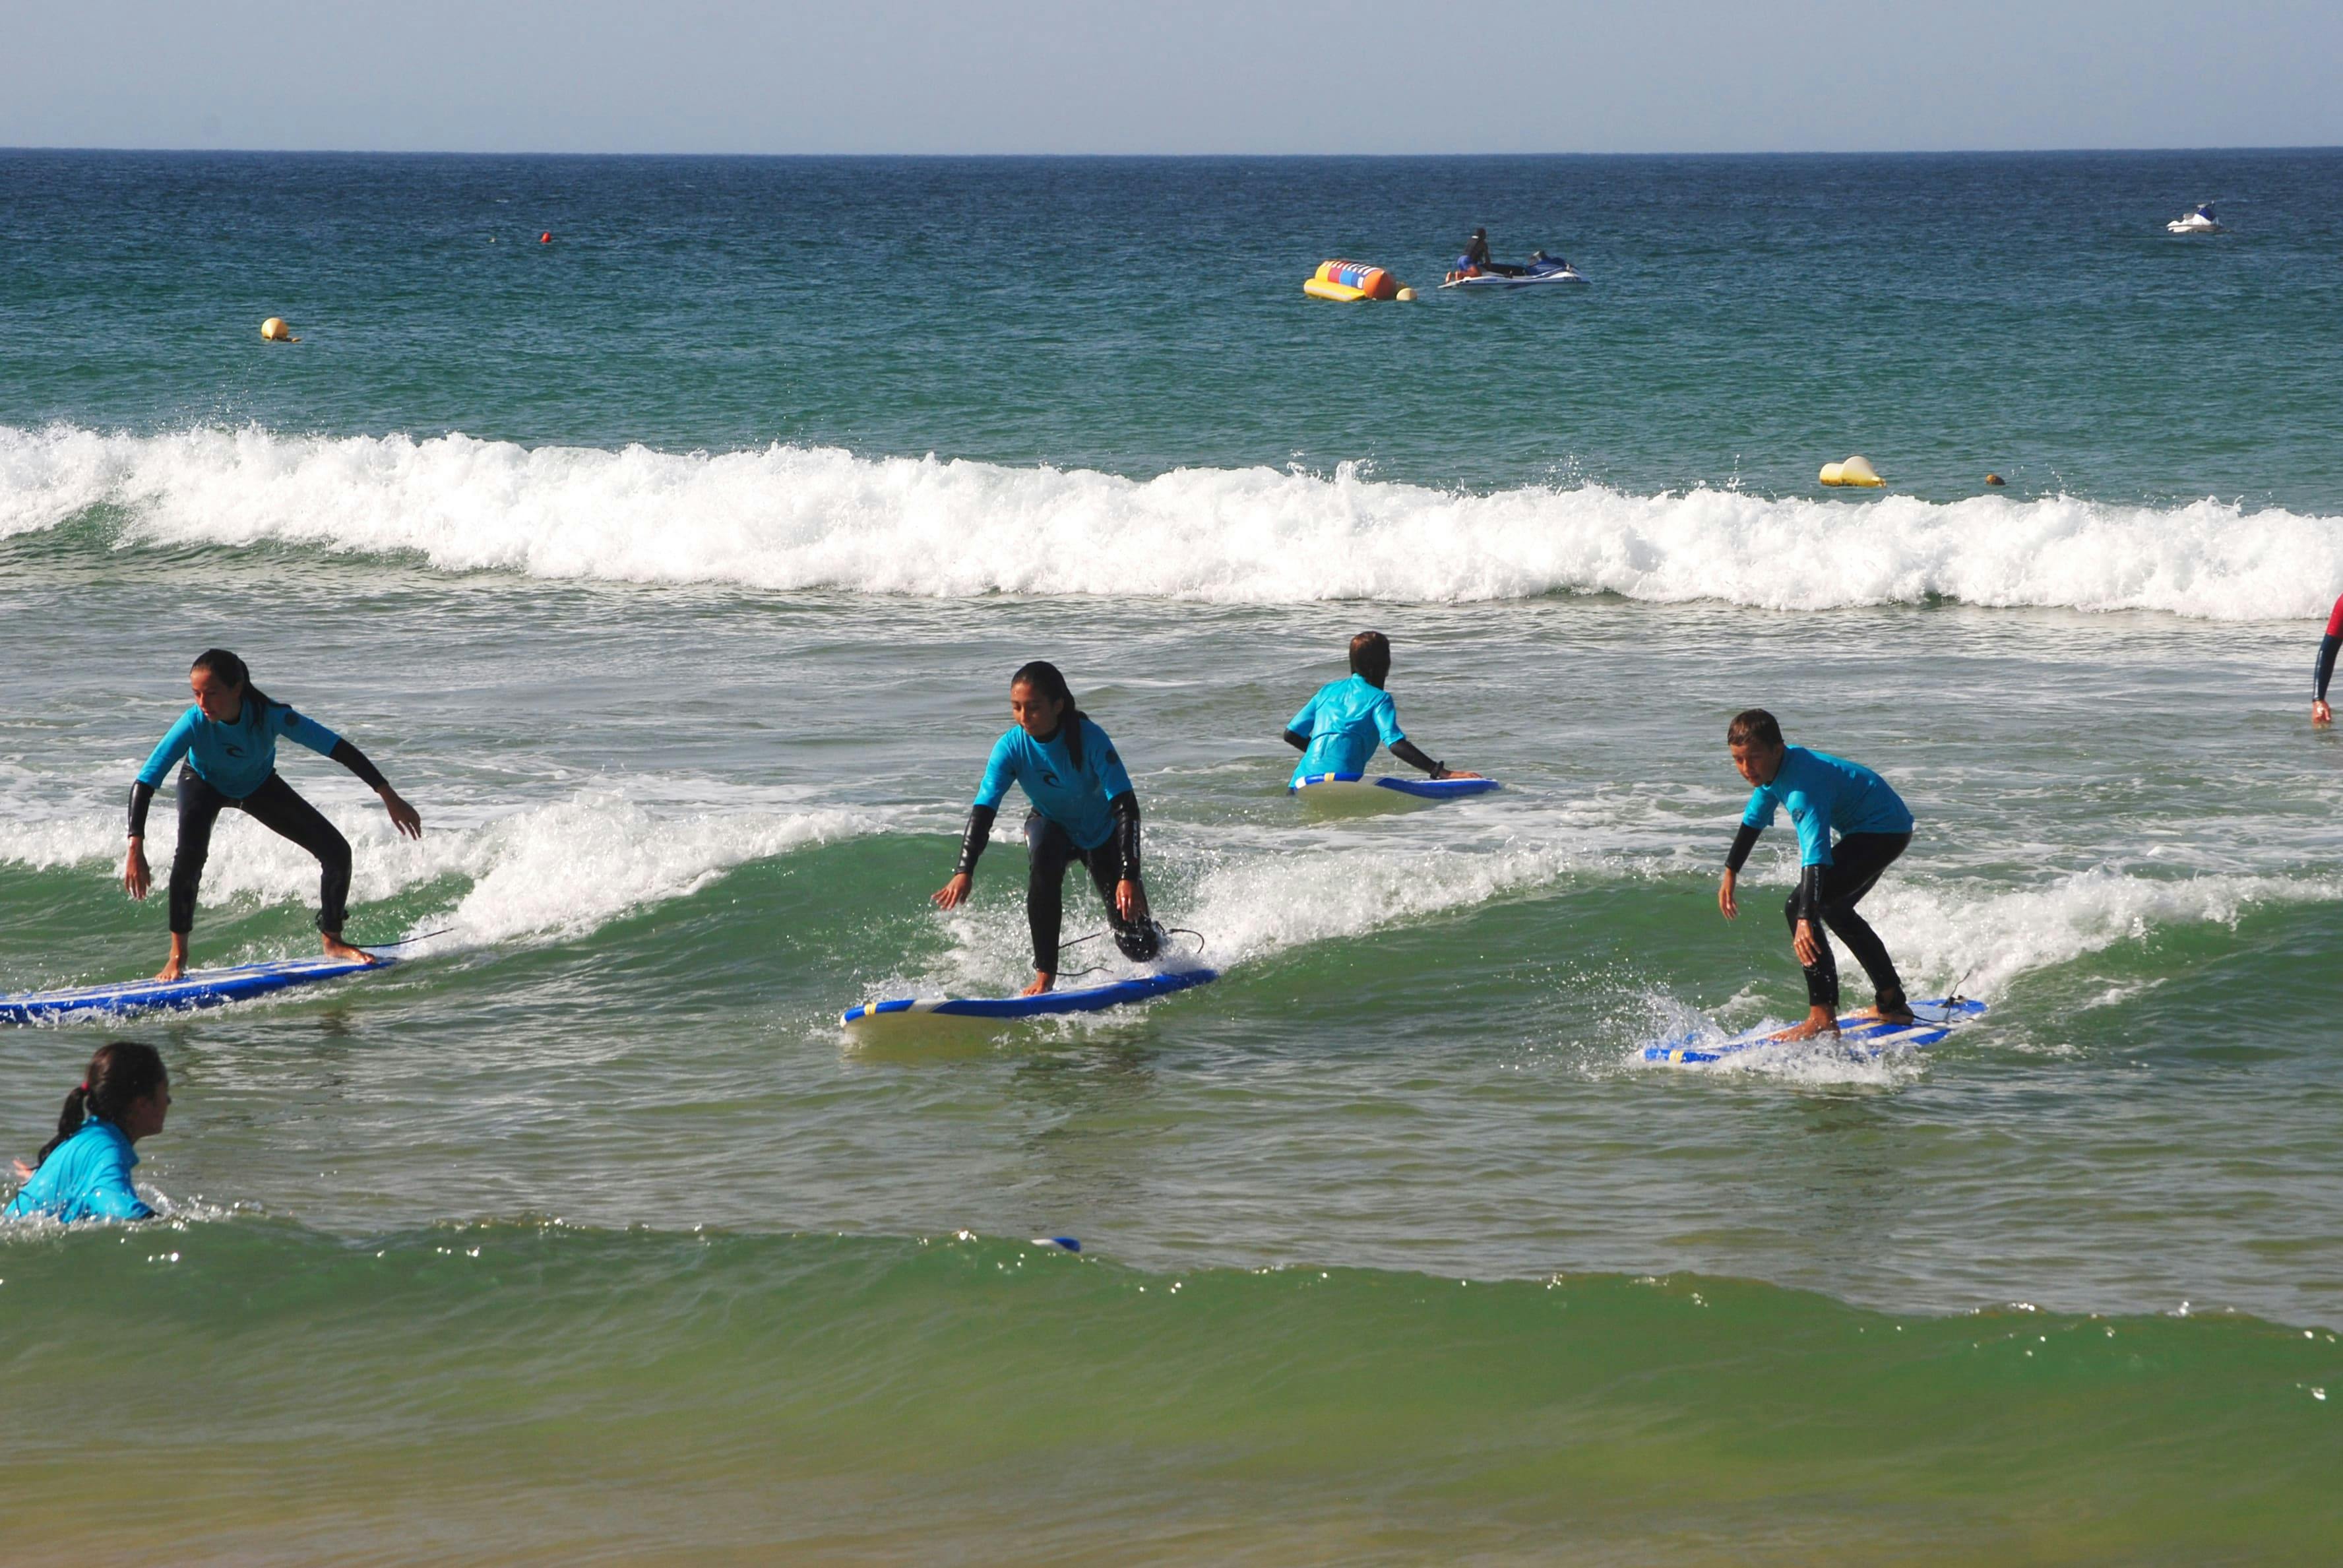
x=1084 y=810
x=1339 y=726
x=1821 y=793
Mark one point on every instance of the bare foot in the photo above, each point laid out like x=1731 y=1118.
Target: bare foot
x=173 y=970
x=1041 y=983
x=1889 y=1014
x=337 y=949
x=1819 y=1022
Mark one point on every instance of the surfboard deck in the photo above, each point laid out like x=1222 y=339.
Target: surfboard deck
x=196 y=988
x=1330 y=786
x=1009 y=1008
x=1864 y=1039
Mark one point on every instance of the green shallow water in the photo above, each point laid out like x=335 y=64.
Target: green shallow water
x=715 y=1396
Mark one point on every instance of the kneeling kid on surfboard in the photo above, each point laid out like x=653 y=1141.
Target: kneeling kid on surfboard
x=1084 y=810
x=1339 y=727
x=1821 y=793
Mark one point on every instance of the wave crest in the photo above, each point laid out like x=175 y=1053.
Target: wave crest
x=794 y=518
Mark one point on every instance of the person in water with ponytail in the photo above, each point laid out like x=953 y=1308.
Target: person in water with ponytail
x=84 y=1172
x=229 y=740
x=1084 y=810
x=1339 y=726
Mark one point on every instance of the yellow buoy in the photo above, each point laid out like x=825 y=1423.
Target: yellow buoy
x=1404 y=293
x=275 y=330
x=1856 y=470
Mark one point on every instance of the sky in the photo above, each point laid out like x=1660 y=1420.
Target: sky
x=1205 y=76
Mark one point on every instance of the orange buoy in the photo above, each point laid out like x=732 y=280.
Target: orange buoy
x=545 y=238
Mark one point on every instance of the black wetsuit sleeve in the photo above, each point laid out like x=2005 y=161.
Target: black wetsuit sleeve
x=142 y=795
x=1299 y=742
x=1407 y=751
x=351 y=758
x=1125 y=808
x=974 y=838
x=1810 y=892
x=1742 y=842
x=2326 y=670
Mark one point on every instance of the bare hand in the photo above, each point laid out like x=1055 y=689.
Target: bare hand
x=403 y=817
x=1130 y=901
x=954 y=893
x=1806 y=945
x=136 y=878
x=1459 y=773
x=1729 y=906
x=2320 y=713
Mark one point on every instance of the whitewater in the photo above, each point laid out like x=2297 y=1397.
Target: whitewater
x=789 y=517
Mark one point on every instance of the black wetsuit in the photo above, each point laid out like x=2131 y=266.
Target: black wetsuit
x=1051 y=850
x=275 y=806
x=1827 y=895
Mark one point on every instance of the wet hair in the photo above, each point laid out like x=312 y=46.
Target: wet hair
x=1370 y=656
x=1754 y=727
x=122 y=1073
x=226 y=666
x=1044 y=676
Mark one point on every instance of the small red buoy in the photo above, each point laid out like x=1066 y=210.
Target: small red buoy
x=545 y=238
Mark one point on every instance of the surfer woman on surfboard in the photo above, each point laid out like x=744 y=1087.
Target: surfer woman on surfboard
x=229 y=740
x=2323 y=671
x=1821 y=793
x=1084 y=810
x=1339 y=727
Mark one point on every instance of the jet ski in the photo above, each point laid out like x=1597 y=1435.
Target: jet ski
x=1542 y=269
x=2201 y=221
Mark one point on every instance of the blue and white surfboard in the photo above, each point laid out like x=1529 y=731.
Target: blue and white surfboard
x=1322 y=786
x=1007 y=1009
x=196 y=989
x=1859 y=1037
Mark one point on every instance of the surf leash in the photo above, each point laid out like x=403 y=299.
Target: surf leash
x=409 y=942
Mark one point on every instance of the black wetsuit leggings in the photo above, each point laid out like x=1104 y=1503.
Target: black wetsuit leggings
x=275 y=807
x=1052 y=850
x=1856 y=861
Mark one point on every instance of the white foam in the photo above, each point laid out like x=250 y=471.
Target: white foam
x=1942 y=933
x=795 y=518
x=547 y=873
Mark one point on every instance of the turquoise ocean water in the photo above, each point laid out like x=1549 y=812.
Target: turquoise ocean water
x=674 y=569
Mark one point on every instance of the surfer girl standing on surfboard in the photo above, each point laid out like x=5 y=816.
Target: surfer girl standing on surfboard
x=1084 y=810
x=1338 y=729
x=229 y=740
x=1821 y=793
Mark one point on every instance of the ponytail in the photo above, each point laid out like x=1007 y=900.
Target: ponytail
x=121 y=1074
x=1044 y=676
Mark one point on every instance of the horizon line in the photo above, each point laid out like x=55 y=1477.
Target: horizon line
x=1159 y=156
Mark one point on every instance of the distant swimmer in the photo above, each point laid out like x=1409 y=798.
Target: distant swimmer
x=1084 y=810
x=1821 y=793
x=84 y=1172
x=2325 y=669
x=1338 y=729
x=229 y=740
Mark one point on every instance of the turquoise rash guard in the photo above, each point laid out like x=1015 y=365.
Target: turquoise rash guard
x=1822 y=792
x=86 y=1176
x=1074 y=798
x=1344 y=723
x=235 y=758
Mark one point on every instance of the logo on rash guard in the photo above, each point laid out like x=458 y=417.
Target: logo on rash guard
x=1048 y=777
